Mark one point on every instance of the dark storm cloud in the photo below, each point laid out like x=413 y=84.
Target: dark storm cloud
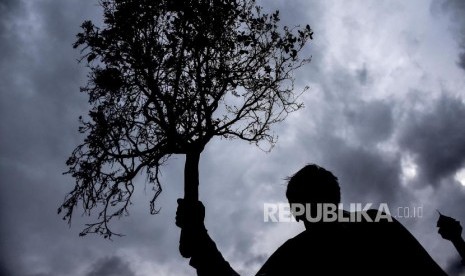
x=362 y=75
x=39 y=106
x=461 y=61
x=111 y=266
x=348 y=137
x=6 y=8
x=366 y=175
x=4 y=270
x=455 y=267
x=8 y=11
x=371 y=121
x=39 y=79
x=342 y=132
x=436 y=139
x=456 y=10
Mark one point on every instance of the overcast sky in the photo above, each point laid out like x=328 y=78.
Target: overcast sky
x=385 y=112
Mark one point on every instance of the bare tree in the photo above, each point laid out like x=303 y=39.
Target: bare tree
x=167 y=76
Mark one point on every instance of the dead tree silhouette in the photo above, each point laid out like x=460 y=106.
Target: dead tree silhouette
x=165 y=78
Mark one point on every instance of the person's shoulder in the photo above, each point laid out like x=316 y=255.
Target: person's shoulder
x=299 y=239
x=372 y=223
x=292 y=246
x=279 y=263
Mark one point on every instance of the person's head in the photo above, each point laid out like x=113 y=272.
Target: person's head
x=313 y=185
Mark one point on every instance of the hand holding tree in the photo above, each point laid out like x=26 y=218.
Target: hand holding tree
x=450 y=229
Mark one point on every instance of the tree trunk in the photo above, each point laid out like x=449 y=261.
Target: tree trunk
x=191 y=177
x=191 y=196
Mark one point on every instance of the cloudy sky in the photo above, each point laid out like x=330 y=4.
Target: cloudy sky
x=385 y=112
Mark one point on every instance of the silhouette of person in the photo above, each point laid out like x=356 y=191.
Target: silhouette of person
x=363 y=247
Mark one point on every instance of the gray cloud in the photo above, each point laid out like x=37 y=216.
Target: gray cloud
x=455 y=267
x=4 y=270
x=362 y=75
x=39 y=106
x=366 y=175
x=111 y=266
x=456 y=11
x=6 y=8
x=346 y=135
x=372 y=121
x=436 y=139
x=461 y=61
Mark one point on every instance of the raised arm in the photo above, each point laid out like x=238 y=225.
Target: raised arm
x=204 y=255
x=450 y=229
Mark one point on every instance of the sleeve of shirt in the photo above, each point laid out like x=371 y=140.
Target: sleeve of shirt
x=207 y=259
x=273 y=266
